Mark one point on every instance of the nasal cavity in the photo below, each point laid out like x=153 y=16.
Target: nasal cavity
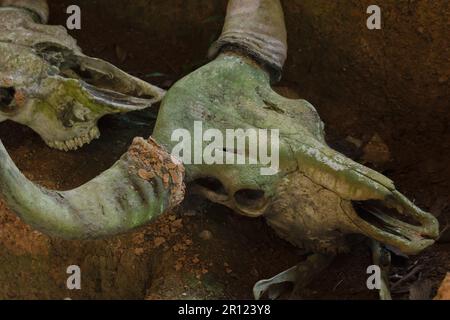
x=251 y=199
x=372 y=210
x=6 y=99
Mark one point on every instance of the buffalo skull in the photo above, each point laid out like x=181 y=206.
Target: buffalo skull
x=316 y=198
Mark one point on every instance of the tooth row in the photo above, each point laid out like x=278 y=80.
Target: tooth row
x=75 y=143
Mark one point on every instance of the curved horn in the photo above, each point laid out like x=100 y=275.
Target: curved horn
x=257 y=27
x=38 y=7
x=143 y=184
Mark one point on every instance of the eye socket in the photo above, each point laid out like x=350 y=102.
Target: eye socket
x=6 y=99
x=212 y=184
x=251 y=199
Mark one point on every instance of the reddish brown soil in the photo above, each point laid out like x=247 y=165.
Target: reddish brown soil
x=393 y=84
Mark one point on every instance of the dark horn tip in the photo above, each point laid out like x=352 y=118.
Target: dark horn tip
x=257 y=29
x=274 y=69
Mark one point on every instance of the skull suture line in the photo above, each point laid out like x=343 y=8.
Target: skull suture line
x=318 y=200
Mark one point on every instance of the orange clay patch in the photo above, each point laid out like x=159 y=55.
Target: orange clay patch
x=444 y=290
x=153 y=161
x=20 y=98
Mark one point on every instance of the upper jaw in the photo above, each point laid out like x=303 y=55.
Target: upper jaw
x=107 y=88
x=99 y=87
x=76 y=142
x=116 y=101
x=397 y=222
x=376 y=202
x=108 y=100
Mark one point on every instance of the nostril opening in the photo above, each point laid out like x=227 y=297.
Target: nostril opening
x=6 y=99
x=250 y=199
x=370 y=210
x=212 y=184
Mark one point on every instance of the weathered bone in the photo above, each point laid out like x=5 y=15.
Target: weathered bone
x=311 y=201
x=53 y=88
x=314 y=199
x=143 y=184
x=42 y=85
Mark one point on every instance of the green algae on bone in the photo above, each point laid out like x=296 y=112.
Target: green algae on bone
x=309 y=202
x=233 y=91
x=41 y=63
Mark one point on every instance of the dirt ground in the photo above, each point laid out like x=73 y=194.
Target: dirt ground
x=382 y=94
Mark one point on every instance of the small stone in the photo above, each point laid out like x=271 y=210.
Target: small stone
x=206 y=235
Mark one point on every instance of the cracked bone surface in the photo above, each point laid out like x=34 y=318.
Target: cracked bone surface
x=49 y=85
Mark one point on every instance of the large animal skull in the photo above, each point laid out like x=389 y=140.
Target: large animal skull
x=318 y=196
x=47 y=84
x=315 y=198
